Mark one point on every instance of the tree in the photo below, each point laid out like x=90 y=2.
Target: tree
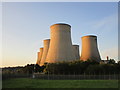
x=111 y=61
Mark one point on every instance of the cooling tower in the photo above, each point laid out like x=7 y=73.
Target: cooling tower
x=45 y=51
x=60 y=45
x=90 y=48
x=39 y=56
x=76 y=52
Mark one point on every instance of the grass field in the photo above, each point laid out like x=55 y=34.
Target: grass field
x=37 y=83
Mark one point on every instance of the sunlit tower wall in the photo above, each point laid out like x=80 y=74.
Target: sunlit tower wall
x=39 y=56
x=90 y=48
x=45 y=51
x=76 y=52
x=60 y=45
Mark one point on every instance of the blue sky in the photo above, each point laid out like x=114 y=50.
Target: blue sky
x=26 y=25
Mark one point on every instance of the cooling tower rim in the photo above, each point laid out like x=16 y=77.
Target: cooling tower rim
x=46 y=40
x=75 y=45
x=59 y=24
x=41 y=49
x=89 y=36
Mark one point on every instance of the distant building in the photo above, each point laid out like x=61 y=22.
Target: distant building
x=104 y=61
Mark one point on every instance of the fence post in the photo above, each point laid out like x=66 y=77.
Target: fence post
x=104 y=75
x=74 y=75
x=89 y=76
x=109 y=75
x=48 y=75
x=84 y=75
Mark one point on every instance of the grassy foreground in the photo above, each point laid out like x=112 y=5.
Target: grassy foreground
x=37 y=83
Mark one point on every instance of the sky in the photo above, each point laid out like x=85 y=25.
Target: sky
x=26 y=24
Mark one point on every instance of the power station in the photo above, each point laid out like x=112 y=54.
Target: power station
x=60 y=48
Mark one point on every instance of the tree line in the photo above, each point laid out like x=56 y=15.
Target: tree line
x=77 y=67
x=83 y=67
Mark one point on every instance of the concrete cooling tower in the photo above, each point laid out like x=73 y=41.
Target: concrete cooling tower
x=60 y=45
x=45 y=51
x=76 y=52
x=90 y=48
x=39 y=56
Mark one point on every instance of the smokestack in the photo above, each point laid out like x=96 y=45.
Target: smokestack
x=39 y=56
x=90 y=48
x=60 y=45
x=46 y=47
x=76 y=52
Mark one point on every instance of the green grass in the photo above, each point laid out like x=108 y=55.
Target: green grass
x=37 y=83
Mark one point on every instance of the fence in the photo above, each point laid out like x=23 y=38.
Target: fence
x=77 y=77
x=62 y=77
x=8 y=76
